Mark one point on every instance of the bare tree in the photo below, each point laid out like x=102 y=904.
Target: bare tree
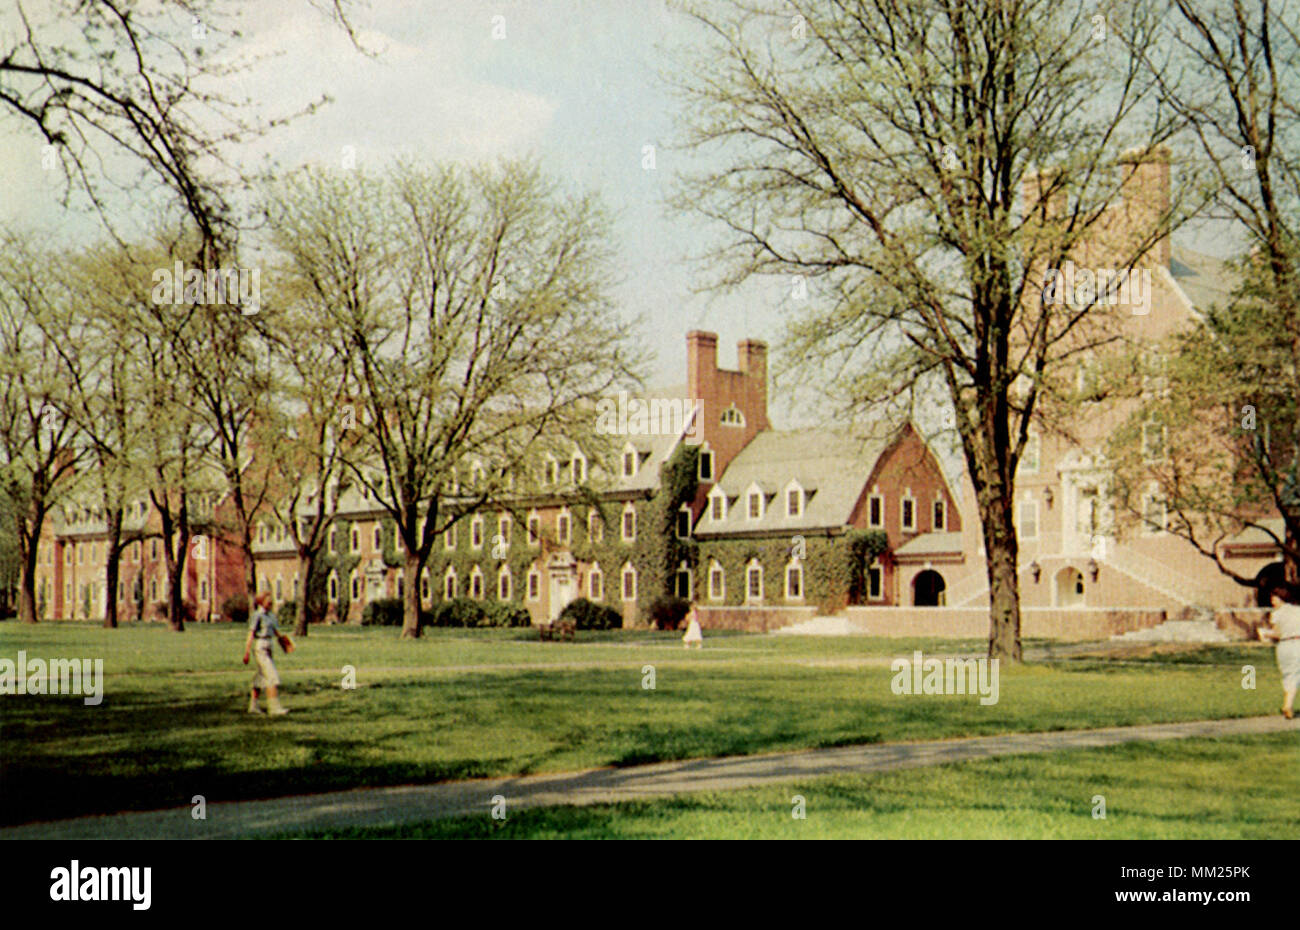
x=471 y=310
x=920 y=166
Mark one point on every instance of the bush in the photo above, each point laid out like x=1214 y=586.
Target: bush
x=506 y=614
x=288 y=613
x=588 y=615
x=459 y=612
x=235 y=608
x=386 y=611
x=667 y=613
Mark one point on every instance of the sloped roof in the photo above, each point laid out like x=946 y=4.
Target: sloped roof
x=832 y=468
x=1207 y=281
x=931 y=543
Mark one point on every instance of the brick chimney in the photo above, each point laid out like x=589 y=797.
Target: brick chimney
x=1144 y=187
x=701 y=363
x=752 y=361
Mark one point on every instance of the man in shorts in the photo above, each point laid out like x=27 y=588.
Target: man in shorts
x=262 y=634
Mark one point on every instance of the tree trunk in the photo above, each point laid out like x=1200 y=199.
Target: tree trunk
x=111 y=568
x=1002 y=553
x=27 y=590
x=306 y=564
x=1291 y=564
x=411 y=596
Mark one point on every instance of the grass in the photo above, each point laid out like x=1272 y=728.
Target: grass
x=1229 y=788
x=474 y=703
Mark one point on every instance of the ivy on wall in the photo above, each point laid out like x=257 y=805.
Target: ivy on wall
x=341 y=563
x=659 y=552
x=834 y=567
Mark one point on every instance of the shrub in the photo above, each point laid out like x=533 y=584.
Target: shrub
x=506 y=614
x=459 y=612
x=667 y=613
x=288 y=612
x=235 y=608
x=588 y=615
x=386 y=611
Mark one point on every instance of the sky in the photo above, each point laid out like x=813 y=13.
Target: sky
x=575 y=83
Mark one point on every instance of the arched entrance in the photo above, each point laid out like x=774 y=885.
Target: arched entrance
x=1069 y=588
x=928 y=589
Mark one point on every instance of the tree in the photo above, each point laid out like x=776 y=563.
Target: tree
x=471 y=310
x=39 y=452
x=1231 y=457
x=922 y=166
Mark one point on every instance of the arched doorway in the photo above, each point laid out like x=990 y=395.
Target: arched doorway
x=928 y=589
x=1069 y=588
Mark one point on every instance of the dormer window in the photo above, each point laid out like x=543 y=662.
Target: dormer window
x=732 y=417
x=705 y=465
x=754 y=503
x=629 y=462
x=794 y=500
x=718 y=505
x=552 y=471
x=578 y=468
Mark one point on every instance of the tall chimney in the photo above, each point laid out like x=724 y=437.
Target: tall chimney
x=752 y=357
x=701 y=363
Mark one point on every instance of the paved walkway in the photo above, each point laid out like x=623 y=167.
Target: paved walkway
x=414 y=803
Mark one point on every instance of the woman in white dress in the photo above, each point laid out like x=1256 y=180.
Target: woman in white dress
x=694 y=635
x=1283 y=628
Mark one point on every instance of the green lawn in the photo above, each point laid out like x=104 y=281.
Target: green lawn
x=1231 y=788
x=469 y=703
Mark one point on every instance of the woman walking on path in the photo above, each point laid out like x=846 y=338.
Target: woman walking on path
x=1283 y=628
x=263 y=631
x=694 y=635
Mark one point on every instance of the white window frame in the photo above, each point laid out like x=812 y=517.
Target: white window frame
x=751 y=598
x=677 y=526
x=450 y=584
x=879 y=571
x=793 y=566
x=718 y=593
x=1150 y=496
x=628 y=509
x=795 y=487
x=596 y=584
x=595 y=526
x=706 y=454
x=939 y=507
x=534 y=590
x=449 y=538
x=1031 y=457
x=719 y=495
x=628 y=571
x=904 y=524
x=476 y=580
x=564 y=527
x=534 y=537
x=1025 y=502
x=750 y=493
x=629 y=450
x=476 y=531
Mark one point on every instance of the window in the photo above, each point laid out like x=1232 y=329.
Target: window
x=1153 y=442
x=534 y=529
x=755 y=505
x=401 y=588
x=578 y=469
x=476 y=584
x=476 y=532
x=295 y=585
x=279 y=593
x=504 y=586
x=552 y=471
x=203 y=590
x=875 y=583
x=793 y=502
x=705 y=465
x=595 y=526
x=1030 y=456
x=334 y=542
x=682 y=582
x=534 y=584
x=1155 y=513
x=1028 y=519
x=81 y=554
x=794 y=582
x=596 y=584
x=732 y=417
x=378 y=539
x=629 y=583
x=909 y=513
x=356 y=587
x=449 y=586
x=153 y=590
x=562 y=535
x=629 y=523
x=629 y=462
x=940 y=522
x=356 y=539
x=717 y=582
x=424 y=585
x=449 y=538
x=334 y=587
x=261 y=532
x=718 y=507
x=503 y=529
x=684 y=522
x=754 y=582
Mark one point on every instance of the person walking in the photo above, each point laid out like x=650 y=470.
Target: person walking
x=1283 y=628
x=263 y=631
x=694 y=635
